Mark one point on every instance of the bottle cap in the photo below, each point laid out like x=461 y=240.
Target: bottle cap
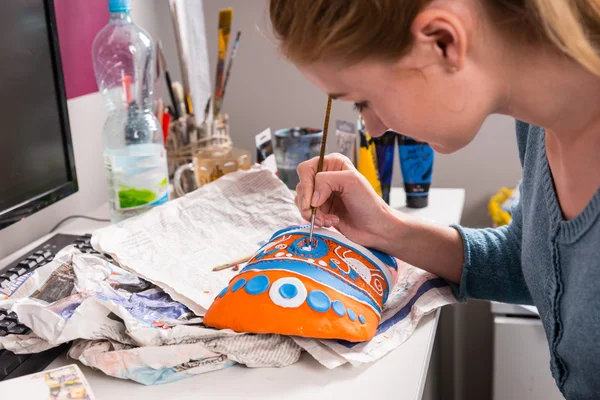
x=115 y=6
x=417 y=201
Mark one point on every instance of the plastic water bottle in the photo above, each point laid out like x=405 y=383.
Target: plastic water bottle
x=134 y=154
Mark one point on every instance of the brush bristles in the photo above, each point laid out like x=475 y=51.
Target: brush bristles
x=225 y=18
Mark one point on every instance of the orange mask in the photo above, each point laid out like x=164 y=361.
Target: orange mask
x=334 y=289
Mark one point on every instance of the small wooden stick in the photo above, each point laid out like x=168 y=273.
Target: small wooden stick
x=232 y=264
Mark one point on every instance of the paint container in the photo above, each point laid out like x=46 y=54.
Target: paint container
x=416 y=163
x=346 y=138
x=292 y=147
x=367 y=157
x=385 y=147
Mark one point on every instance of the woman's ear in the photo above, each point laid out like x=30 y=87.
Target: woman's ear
x=443 y=34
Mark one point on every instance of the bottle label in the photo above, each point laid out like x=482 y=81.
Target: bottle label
x=416 y=162
x=137 y=176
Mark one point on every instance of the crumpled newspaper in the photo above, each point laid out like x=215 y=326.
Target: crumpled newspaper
x=115 y=315
x=155 y=365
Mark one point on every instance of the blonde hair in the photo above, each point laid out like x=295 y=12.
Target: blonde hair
x=350 y=31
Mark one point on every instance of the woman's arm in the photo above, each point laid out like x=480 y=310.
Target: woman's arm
x=481 y=263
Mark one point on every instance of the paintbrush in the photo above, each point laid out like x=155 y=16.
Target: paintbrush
x=225 y=18
x=221 y=92
x=320 y=167
x=179 y=94
x=232 y=264
x=206 y=110
x=165 y=67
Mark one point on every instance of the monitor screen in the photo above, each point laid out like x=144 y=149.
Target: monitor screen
x=36 y=158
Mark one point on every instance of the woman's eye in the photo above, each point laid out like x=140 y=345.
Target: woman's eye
x=360 y=107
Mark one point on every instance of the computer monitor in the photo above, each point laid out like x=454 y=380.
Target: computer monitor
x=37 y=166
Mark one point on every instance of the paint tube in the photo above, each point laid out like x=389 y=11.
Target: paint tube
x=345 y=134
x=385 y=147
x=416 y=163
x=367 y=158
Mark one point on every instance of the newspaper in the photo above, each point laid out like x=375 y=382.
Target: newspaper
x=415 y=294
x=148 y=365
x=124 y=326
x=177 y=245
x=158 y=365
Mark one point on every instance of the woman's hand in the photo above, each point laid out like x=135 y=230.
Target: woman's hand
x=345 y=200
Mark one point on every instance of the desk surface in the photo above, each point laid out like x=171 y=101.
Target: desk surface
x=400 y=374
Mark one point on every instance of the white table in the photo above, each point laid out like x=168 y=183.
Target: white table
x=399 y=375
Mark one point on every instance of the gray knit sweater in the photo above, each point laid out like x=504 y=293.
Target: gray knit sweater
x=542 y=259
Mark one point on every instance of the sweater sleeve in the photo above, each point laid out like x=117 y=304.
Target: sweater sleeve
x=492 y=268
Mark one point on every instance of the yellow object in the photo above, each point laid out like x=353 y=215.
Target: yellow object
x=225 y=19
x=367 y=161
x=500 y=216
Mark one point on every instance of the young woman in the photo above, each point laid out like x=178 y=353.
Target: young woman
x=434 y=70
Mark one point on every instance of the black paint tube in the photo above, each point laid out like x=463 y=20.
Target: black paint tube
x=416 y=163
x=385 y=147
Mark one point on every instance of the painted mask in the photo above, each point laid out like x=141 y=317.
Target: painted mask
x=333 y=289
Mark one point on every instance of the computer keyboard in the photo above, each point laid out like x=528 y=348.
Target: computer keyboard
x=15 y=365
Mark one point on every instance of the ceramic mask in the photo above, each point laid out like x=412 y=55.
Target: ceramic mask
x=334 y=289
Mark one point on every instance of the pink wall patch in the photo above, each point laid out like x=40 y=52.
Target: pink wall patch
x=78 y=22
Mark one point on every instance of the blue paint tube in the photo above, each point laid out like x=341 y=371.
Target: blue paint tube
x=385 y=147
x=416 y=163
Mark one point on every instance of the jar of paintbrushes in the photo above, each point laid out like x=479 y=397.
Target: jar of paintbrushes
x=186 y=139
x=196 y=130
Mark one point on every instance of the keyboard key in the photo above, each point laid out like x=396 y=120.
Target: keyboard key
x=6 y=275
x=9 y=275
x=37 y=259
x=39 y=253
x=19 y=330
x=27 y=264
x=47 y=255
x=7 y=324
x=13 y=316
x=87 y=235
